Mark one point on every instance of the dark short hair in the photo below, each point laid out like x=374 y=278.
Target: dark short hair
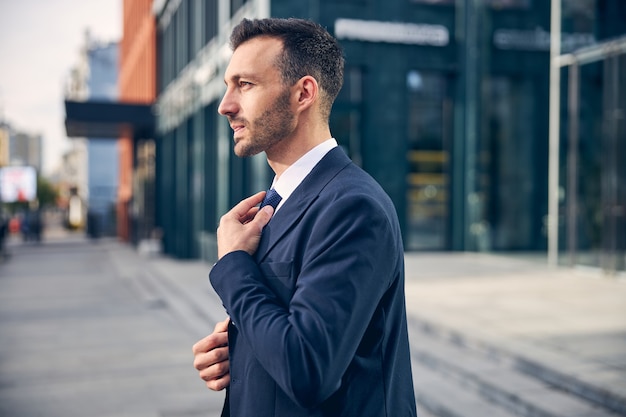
x=308 y=49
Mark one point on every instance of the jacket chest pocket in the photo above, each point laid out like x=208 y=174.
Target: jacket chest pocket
x=280 y=279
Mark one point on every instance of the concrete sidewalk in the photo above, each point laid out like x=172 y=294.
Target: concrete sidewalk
x=79 y=338
x=526 y=340
x=564 y=326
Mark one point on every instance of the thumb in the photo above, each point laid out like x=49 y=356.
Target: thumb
x=263 y=216
x=222 y=326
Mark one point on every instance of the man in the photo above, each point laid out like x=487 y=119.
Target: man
x=314 y=288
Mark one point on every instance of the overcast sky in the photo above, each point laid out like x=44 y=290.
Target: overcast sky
x=39 y=43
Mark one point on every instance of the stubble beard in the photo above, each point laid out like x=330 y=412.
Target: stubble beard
x=271 y=127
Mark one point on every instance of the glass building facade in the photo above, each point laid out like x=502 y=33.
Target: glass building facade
x=102 y=154
x=445 y=103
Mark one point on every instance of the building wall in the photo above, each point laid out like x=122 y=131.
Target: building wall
x=445 y=106
x=25 y=149
x=137 y=84
x=137 y=53
x=199 y=177
x=4 y=144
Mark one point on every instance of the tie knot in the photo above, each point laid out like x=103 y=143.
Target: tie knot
x=272 y=198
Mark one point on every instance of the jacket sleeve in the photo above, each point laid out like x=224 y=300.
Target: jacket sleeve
x=350 y=260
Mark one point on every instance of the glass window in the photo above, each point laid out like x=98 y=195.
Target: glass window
x=496 y=4
x=210 y=20
x=509 y=4
x=595 y=224
x=182 y=43
x=352 y=89
x=346 y=116
x=578 y=16
x=235 y=5
x=427 y=180
x=434 y=1
x=507 y=163
x=167 y=69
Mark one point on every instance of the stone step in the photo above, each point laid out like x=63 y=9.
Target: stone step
x=472 y=378
x=440 y=396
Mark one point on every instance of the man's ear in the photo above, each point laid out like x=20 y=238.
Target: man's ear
x=307 y=92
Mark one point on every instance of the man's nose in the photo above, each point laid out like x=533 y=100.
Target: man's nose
x=227 y=105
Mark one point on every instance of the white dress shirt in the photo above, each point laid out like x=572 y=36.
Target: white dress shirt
x=293 y=176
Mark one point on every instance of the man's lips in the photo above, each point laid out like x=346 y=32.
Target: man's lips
x=237 y=127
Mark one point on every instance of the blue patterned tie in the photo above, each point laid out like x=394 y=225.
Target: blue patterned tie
x=272 y=198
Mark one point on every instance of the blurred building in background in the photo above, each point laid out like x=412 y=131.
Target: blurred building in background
x=71 y=180
x=137 y=85
x=102 y=153
x=72 y=175
x=445 y=103
x=19 y=147
x=4 y=143
x=129 y=121
x=24 y=150
x=90 y=170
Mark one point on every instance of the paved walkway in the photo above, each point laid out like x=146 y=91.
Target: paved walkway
x=79 y=338
x=566 y=327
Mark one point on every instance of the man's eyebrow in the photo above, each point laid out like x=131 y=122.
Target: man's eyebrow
x=239 y=76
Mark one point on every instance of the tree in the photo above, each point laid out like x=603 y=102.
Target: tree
x=47 y=194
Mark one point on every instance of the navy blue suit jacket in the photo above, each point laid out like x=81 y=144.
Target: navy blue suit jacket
x=318 y=318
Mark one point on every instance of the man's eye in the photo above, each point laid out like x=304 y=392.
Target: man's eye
x=245 y=83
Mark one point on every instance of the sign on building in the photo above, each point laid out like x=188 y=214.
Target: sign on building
x=18 y=183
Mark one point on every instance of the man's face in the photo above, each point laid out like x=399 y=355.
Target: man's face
x=256 y=102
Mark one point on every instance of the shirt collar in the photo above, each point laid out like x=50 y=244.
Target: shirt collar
x=295 y=174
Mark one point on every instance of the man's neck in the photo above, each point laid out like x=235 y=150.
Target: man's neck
x=282 y=155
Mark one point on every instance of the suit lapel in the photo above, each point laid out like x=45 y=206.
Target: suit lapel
x=301 y=199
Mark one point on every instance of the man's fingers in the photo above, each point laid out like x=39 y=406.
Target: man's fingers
x=263 y=217
x=242 y=209
x=219 y=383
x=215 y=371
x=251 y=214
x=212 y=341
x=216 y=376
x=238 y=230
x=222 y=326
x=209 y=359
x=214 y=368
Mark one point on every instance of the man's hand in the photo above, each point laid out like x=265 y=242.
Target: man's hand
x=241 y=227
x=211 y=358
